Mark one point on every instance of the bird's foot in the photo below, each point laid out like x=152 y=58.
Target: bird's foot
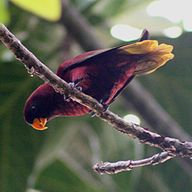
x=66 y=98
x=75 y=85
x=105 y=106
x=93 y=114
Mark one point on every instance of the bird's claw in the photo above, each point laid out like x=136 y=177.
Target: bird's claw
x=79 y=88
x=75 y=85
x=93 y=114
x=105 y=106
x=66 y=98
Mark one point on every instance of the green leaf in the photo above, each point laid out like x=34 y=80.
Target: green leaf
x=47 y=9
x=19 y=144
x=4 y=14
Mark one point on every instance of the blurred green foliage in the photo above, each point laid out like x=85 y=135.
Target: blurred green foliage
x=61 y=158
x=47 y=9
x=4 y=14
x=50 y=12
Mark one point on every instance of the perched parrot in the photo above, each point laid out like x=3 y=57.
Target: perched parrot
x=102 y=74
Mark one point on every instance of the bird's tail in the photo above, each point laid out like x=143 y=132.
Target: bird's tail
x=151 y=55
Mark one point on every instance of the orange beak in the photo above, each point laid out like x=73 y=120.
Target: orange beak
x=39 y=124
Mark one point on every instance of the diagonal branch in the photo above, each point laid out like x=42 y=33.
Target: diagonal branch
x=145 y=105
x=35 y=67
x=120 y=166
x=83 y=33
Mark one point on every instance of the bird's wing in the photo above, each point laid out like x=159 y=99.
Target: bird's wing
x=104 y=74
x=78 y=60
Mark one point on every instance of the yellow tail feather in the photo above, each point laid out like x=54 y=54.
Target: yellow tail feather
x=154 y=55
x=142 y=47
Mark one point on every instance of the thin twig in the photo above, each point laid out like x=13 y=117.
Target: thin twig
x=120 y=166
x=36 y=67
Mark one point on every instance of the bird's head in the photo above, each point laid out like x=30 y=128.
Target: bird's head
x=39 y=107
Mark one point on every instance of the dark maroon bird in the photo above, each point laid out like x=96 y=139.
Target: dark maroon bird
x=102 y=74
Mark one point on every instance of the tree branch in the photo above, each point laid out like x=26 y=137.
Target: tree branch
x=35 y=67
x=145 y=105
x=120 y=166
x=83 y=33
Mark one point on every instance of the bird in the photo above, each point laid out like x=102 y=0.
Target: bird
x=101 y=74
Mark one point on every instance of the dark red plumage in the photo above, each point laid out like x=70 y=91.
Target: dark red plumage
x=98 y=76
x=101 y=74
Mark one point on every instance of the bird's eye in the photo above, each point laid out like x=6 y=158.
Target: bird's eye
x=33 y=107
